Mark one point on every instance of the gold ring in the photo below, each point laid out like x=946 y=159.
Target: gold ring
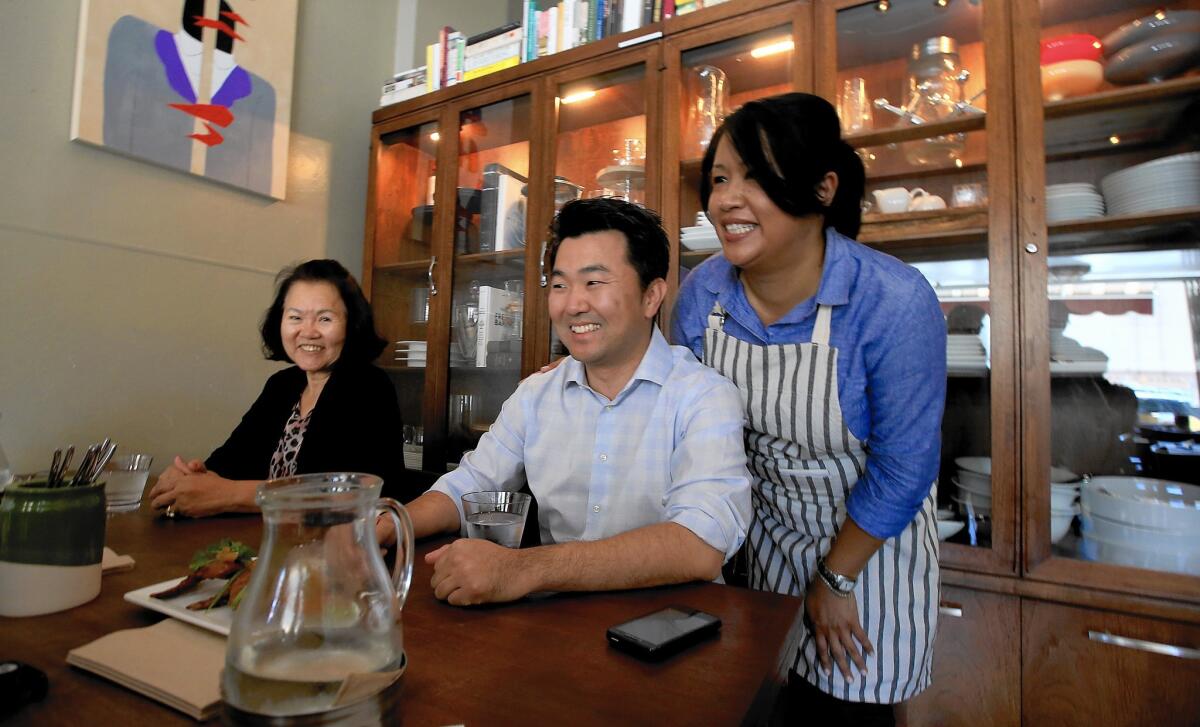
x=170 y=510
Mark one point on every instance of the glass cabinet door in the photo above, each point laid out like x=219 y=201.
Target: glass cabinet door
x=910 y=82
x=601 y=147
x=1115 y=318
x=488 y=290
x=402 y=254
x=710 y=74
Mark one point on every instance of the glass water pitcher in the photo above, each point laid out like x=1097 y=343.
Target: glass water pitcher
x=320 y=617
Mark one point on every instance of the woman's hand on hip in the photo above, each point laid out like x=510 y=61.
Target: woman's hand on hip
x=836 y=629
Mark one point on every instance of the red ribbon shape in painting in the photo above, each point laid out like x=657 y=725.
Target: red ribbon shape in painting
x=203 y=22
x=215 y=113
x=212 y=138
x=234 y=17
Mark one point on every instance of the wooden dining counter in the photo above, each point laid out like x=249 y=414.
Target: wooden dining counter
x=536 y=661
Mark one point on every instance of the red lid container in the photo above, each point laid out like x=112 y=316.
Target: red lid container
x=1076 y=46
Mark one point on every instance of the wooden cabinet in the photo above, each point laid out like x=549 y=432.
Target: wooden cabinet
x=1086 y=667
x=977 y=654
x=1075 y=327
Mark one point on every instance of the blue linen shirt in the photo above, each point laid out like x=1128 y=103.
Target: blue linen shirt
x=890 y=335
x=668 y=448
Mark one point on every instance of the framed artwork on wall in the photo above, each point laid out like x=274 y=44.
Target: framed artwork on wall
x=203 y=86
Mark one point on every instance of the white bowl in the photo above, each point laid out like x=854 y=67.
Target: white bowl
x=1062 y=499
x=979 y=505
x=1143 y=502
x=978 y=465
x=947 y=528
x=975 y=482
x=1094 y=548
x=1173 y=541
x=979 y=493
x=1060 y=525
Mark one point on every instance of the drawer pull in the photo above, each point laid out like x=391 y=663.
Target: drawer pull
x=1153 y=647
x=432 y=285
x=542 y=265
x=947 y=608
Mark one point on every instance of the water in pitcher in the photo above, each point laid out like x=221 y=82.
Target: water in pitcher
x=302 y=675
x=503 y=528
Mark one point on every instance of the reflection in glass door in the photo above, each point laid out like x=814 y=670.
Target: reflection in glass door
x=717 y=79
x=911 y=94
x=1122 y=207
x=601 y=143
x=402 y=261
x=488 y=296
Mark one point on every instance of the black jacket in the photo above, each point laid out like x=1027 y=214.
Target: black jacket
x=355 y=427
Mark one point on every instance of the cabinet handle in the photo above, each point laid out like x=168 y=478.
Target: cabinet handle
x=946 y=608
x=1153 y=647
x=542 y=265
x=432 y=285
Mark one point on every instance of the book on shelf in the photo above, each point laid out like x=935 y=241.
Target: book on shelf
x=501 y=210
x=497 y=321
x=506 y=29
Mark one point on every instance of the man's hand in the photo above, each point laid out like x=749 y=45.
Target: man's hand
x=835 y=626
x=470 y=572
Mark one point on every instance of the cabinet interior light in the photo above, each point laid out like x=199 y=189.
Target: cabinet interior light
x=578 y=96
x=770 y=49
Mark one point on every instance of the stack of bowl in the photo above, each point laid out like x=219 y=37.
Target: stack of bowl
x=1073 y=201
x=1071 y=66
x=1142 y=522
x=974 y=496
x=1153 y=48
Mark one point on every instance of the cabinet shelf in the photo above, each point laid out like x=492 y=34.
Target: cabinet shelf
x=404 y=267
x=1165 y=228
x=1123 y=98
x=963 y=124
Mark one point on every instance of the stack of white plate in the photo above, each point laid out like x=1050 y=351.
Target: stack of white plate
x=411 y=353
x=1074 y=201
x=974 y=496
x=1162 y=184
x=700 y=238
x=1068 y=357
x=965 y=355
x=1142 y=522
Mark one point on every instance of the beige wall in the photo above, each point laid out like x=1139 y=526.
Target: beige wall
x=129 y=293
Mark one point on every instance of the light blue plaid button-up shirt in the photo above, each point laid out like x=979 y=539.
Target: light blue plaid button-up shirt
x=668 y=448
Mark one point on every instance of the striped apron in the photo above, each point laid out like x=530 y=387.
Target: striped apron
x=804 y=462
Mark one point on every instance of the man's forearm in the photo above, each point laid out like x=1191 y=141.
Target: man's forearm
x=648 y=556
x=433 y=513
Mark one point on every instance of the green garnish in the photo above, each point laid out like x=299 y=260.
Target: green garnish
x=221 y=593
x=224 y=549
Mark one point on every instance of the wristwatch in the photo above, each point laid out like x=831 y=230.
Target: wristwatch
x=841 y=585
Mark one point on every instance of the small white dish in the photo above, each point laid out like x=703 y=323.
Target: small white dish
x=214 y=619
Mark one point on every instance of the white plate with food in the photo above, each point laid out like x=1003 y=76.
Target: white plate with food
x=217 y=619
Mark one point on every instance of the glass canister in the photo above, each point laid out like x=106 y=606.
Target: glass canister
x=320 y=618
x=709 y=104
x=933 y=93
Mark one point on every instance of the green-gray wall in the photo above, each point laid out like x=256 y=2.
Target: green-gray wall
x=130 y=294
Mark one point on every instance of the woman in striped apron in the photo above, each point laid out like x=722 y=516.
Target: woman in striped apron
x=839 y=353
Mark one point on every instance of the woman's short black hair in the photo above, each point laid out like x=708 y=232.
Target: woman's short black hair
x=788 y=143
x=362 y=345
x=646 y=245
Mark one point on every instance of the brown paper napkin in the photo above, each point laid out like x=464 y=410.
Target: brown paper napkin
x=147 y=660
x=113 y=563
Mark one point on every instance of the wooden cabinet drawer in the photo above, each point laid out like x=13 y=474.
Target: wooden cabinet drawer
x=976 y=663
x=1092 y=668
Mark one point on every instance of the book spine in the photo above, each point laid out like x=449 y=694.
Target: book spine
x=489 y=208
x=492 y=56
x=509 y=62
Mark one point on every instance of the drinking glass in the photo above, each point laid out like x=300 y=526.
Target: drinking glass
x=124 y=480
x=968 y=195
x=466 y=329
x=854 y=107
x=496 y=516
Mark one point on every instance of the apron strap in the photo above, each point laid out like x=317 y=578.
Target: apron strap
x=716 y=317
x=821 y=329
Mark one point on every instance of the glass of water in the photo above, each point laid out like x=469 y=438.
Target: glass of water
x=124 y=480
x=496 y=516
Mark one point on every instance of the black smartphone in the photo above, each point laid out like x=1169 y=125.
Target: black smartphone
x=662 y=633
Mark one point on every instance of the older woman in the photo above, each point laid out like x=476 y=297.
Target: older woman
x=331 y=411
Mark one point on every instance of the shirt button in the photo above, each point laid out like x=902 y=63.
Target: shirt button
x=608 y=406
x=595 y=508
x=604 y=458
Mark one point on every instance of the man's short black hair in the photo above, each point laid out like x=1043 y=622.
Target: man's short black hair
x=646 y=246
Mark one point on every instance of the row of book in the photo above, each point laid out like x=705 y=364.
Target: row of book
x=545 y=28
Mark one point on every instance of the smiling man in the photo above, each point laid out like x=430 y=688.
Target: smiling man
x=632 y=448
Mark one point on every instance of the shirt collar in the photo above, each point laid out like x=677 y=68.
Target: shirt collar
x=837 y=274
x=656 y=366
